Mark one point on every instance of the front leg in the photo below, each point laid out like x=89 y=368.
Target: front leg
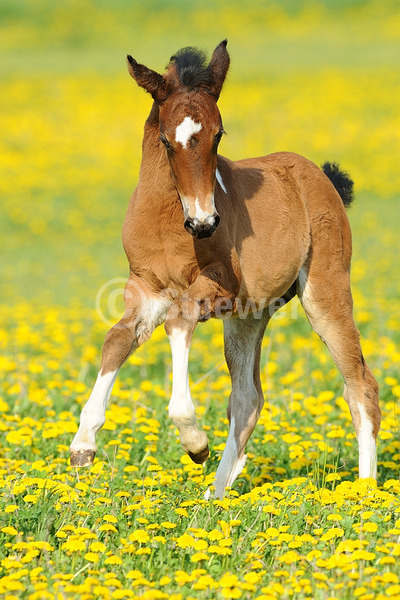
x=198 y=304
x=181 y=408
x=143 y=312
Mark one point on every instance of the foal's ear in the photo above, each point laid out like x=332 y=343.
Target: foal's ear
x=219 y=66
x=150 y=80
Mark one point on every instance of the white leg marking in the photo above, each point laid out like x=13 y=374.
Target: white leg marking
x=185 y=130
x=366 y=446
x=181 y=408
x=219 y=179
x=93 y=414
x=181 y=405
x=230 y=466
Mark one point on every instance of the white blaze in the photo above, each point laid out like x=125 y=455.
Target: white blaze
x=200 y=214
x=185 y=130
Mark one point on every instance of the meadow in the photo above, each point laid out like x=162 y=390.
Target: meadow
x=318 y=78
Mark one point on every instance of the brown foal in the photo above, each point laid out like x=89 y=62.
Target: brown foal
x=206 y=236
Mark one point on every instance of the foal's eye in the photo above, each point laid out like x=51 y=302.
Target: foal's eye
x=218 y=136
x=166 y=143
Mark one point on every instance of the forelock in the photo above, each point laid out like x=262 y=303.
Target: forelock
x=191 y=68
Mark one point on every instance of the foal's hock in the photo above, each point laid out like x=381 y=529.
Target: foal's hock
x=209 y=237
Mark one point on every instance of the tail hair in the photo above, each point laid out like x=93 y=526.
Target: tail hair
x=341 y=181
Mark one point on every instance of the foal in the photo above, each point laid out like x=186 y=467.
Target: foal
x=258 y=230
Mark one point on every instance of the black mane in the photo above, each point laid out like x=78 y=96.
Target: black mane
x=191 y=67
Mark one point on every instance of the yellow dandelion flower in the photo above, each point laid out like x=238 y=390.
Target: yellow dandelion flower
x=199 y=556
x=185 y=541
x=110 y=519
x=332 y=534
x=108 y=527
x=219 y=550
x=290 y=557
x=140 y=535
x=228 y=580
x=141 y=551
x=387 y=560
x=392 y=590
x=11 y=508
x=41 y=545
x=92 y=557
x=136 y=574
x=231 y=593
x=30 y=499
x=370 y=527
x=9 y=530
x=389 y=577
x=320 y=576
x=215 y=535
x=29 y=556
x=113 y=560
x=11 y=563
x=252 y=577
x=200 y=545
x=334 y=517
x=74 y=546
x=362 y=555
x=97 y=467
x=97 y=547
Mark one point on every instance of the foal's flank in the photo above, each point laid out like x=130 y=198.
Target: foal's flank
x=203 y=234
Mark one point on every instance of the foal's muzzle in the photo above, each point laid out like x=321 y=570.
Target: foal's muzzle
x=202 y=229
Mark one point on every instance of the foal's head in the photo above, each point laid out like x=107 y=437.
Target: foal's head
x=190 y=127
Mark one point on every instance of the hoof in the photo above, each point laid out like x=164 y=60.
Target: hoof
x=82 y=458
x=200 y=457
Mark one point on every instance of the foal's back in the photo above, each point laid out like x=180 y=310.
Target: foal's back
x=274 y=211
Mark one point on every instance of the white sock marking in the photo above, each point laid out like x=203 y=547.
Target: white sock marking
x=185 y=130
x=230 y=466
x=181 y=405
x=93 y=413
x=366 y=446
x=219 y=179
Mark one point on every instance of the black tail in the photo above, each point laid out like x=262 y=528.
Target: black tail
x=341 y=181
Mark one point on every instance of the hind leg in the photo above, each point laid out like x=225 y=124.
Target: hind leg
x=242 y=339
x=326 y=298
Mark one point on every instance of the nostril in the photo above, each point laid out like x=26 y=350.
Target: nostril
x=216 y=221
x=189 y=226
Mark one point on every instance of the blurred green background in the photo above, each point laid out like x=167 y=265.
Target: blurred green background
x=321 y=78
